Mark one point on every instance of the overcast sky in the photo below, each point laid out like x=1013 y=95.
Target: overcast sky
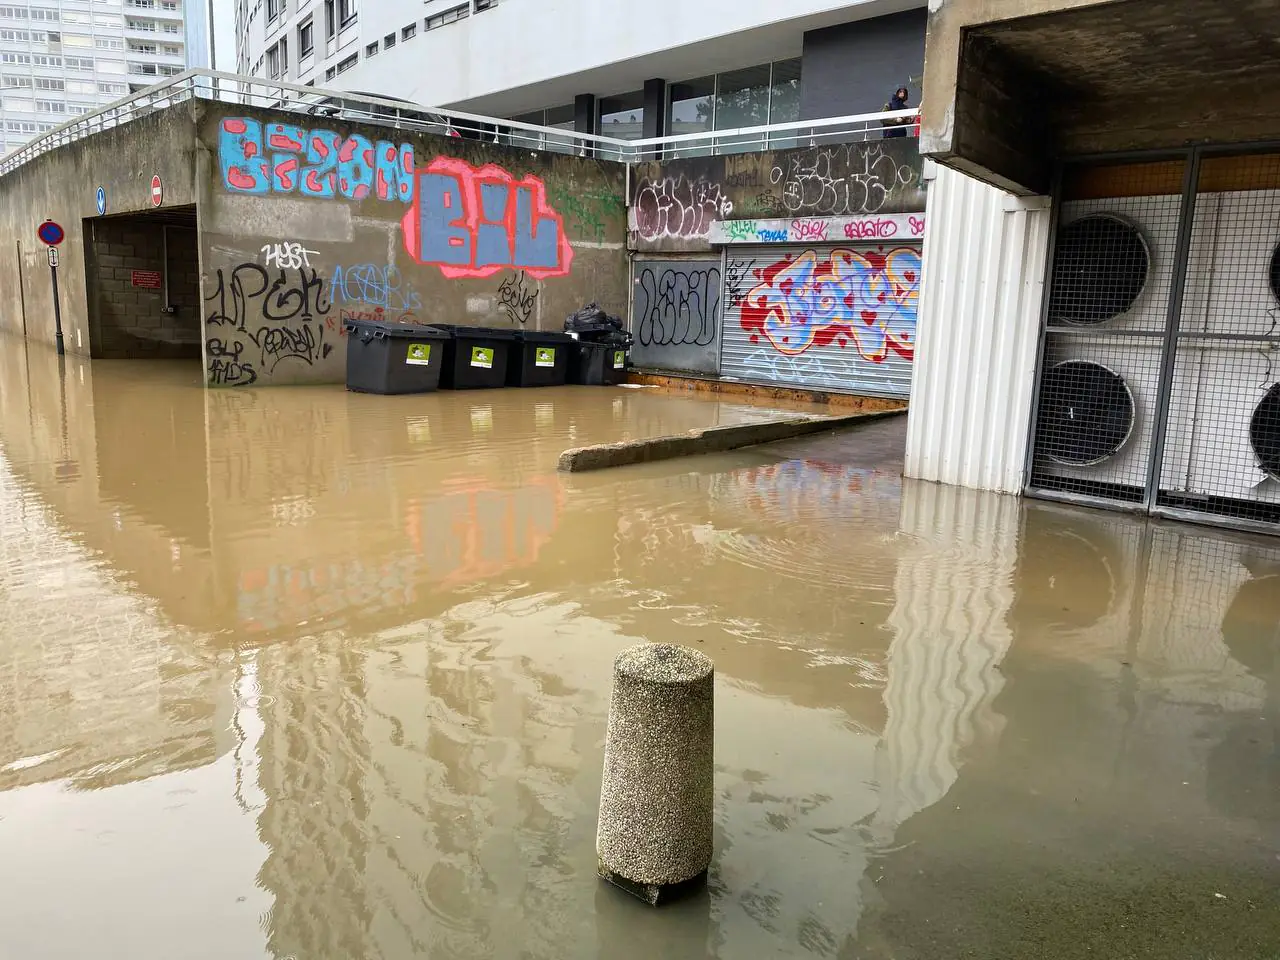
x=224 y=27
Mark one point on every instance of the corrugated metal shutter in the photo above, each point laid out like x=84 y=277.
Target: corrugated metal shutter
x=831 y=318
x=979 y=329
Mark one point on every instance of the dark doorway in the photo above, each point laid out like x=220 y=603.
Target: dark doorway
x=142 y=274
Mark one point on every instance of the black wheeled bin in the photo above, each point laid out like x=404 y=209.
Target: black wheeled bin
x=393 y=357
x=539 y=359
x=475 y=357
x=598 y=363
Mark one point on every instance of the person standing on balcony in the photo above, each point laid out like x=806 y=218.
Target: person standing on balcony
x=899 y=101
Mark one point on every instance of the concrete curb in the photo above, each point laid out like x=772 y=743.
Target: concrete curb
x=709 y=440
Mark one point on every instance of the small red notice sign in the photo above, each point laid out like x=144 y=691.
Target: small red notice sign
x=149 y=279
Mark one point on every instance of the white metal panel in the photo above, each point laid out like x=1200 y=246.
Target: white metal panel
x=983 y=283
x=822 y=317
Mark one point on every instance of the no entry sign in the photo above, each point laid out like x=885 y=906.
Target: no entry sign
x=50 y=233
x=157 y=191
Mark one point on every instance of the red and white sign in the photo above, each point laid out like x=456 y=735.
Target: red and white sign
x=157 y=191
x=148 y=279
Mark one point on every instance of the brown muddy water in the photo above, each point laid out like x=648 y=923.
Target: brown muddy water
x=299 y=674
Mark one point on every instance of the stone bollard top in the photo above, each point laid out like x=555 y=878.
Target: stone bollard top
x=668 y=664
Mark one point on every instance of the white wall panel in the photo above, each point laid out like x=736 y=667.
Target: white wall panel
x=983 y=282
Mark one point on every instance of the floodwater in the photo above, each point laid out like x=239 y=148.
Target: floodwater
x=294 y=673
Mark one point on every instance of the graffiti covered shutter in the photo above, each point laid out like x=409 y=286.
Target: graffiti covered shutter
x=832 y=318
x=676 y=315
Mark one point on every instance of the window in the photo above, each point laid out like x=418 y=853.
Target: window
x=15 y=58
x=143 y=48
x=172 y=50
x=145 y=69
x=142 y=26
x=273 y=63
x=15 y=35
x=306 y=40
x=48 y=83
x=172 y=28
x=168 y=70
x=330 y=19
x=347 y=64
x=623 y=116
x=78 y=63
x=371 y=50
x=330 y=73
x=346 y=13
x=409 y=32
x=51 y=106
x=141 y=4
x=51 y=16
x=116 y=88
x=274 y=9
x=108 y=43
x=20 y=126
x=13 y=13
x=388 y=41
x=17 y=81
x=447 y=16
x=45 y=60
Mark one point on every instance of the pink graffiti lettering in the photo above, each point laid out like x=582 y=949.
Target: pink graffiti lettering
x=864 y=298
x=917 y=226
x=676 y=207
x=879 y=229
x=474 y=222
x=812 y=231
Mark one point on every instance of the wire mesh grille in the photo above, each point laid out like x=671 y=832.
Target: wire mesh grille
x=1108 y=308
x=1222 y=455
x=1109 y=348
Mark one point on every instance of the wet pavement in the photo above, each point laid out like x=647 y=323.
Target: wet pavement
x=294 y=673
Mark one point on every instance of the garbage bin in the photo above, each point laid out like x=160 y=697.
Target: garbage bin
x=599 y=362
x=539 y=359
x=475 y=357
x=393 y=357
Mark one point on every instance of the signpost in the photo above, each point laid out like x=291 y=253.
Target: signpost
x=100 y=200
x=157 y=191
x=52 y=234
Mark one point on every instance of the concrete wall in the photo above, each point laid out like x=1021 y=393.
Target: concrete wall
x=856 y=67
x=61 y=186
x=127 y=263
x=674 y=203
x=303 y=227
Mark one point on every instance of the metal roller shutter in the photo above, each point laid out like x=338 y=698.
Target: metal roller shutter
x=823 y=317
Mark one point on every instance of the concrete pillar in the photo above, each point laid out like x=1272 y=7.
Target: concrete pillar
x=656 y=799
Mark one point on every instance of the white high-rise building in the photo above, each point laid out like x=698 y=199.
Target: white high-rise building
x=623 y=69
x=63 y=58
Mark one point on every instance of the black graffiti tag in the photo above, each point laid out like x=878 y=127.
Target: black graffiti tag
x=516 y=298
x=680 y=306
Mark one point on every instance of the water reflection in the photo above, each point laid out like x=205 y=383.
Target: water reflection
x=351 y=655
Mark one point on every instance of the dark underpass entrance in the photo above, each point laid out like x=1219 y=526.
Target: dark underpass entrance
x=142 y=274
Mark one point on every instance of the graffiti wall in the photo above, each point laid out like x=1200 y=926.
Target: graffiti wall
x=676 y=315
x=840 y=318
x=675 y=203
x=304 y=228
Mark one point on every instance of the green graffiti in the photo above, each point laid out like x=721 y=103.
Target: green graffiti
x=586 y=212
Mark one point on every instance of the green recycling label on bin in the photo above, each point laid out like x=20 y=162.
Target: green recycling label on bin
x=619 y=359
x=419 y=354
x=545 y=357
x=482 y=357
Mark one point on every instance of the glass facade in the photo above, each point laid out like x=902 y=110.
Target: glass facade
x=751 y=97
x=560 y=118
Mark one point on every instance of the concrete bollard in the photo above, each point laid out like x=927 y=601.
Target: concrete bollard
x=656 y=800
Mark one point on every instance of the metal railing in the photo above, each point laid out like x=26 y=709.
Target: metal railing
x=340 y=105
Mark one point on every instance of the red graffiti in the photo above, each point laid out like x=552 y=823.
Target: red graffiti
x=880 y=229
x=474 y=222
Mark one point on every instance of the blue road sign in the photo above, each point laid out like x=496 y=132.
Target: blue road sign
x=50 y=233
x=101 y=198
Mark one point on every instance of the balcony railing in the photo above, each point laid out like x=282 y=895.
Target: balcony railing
x=402 y=115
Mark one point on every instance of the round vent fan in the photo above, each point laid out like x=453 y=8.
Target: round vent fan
x=1264 y=426
x=1275 y=272
x=1100 y=266
x=1086 y=413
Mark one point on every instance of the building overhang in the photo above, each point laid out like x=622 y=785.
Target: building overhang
x=1014 y=86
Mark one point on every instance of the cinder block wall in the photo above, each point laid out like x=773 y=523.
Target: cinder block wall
x=129 y=321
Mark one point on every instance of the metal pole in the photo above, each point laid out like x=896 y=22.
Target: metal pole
x=57 y=311
x=1181 y=256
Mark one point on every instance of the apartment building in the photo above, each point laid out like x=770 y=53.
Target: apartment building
x=626 y=70
x=63 y=58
